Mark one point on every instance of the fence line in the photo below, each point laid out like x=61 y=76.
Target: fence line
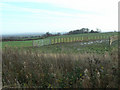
x=50 y=41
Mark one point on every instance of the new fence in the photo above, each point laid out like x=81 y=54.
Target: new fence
x=57 y=40
x=41 y=42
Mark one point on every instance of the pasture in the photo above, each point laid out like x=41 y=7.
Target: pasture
x=55 y=39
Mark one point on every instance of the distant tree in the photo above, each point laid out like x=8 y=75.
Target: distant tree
x=91 y=31
x=58 y=34
x=82 y=30
x=48 y=34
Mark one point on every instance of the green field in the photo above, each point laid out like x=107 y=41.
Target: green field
x=29 y=43
x=17 y=43
x=71 y=47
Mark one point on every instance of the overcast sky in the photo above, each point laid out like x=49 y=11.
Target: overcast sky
x=22 y=16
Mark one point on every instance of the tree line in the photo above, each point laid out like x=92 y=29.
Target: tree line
x=48 y=34
x=83 y=30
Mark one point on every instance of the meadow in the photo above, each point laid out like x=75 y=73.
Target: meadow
x=63 y=65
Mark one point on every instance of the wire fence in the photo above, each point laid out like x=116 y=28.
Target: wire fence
x=49 y=41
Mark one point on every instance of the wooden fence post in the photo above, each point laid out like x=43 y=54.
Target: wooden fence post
x=87 y=38
x=110 y=41
x=32 y=43
x=54 y=40
x=66 y=39
x=77 y=39
x=71 y=39
x=63 y=40
x=51 y=41
x=83 y=38
x=74 y=39
x=60 y=40
x=57 y=40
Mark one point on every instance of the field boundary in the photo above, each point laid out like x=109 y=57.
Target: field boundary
x=51 y=41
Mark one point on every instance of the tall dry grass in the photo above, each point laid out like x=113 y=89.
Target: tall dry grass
x=27 y=69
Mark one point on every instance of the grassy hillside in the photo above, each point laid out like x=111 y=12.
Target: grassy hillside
x=29 y=43
x=64 y=65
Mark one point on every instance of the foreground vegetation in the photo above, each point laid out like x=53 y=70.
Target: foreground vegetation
x=25 y=68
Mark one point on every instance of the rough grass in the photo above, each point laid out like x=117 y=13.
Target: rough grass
x=25 y=68
x=76 y=47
